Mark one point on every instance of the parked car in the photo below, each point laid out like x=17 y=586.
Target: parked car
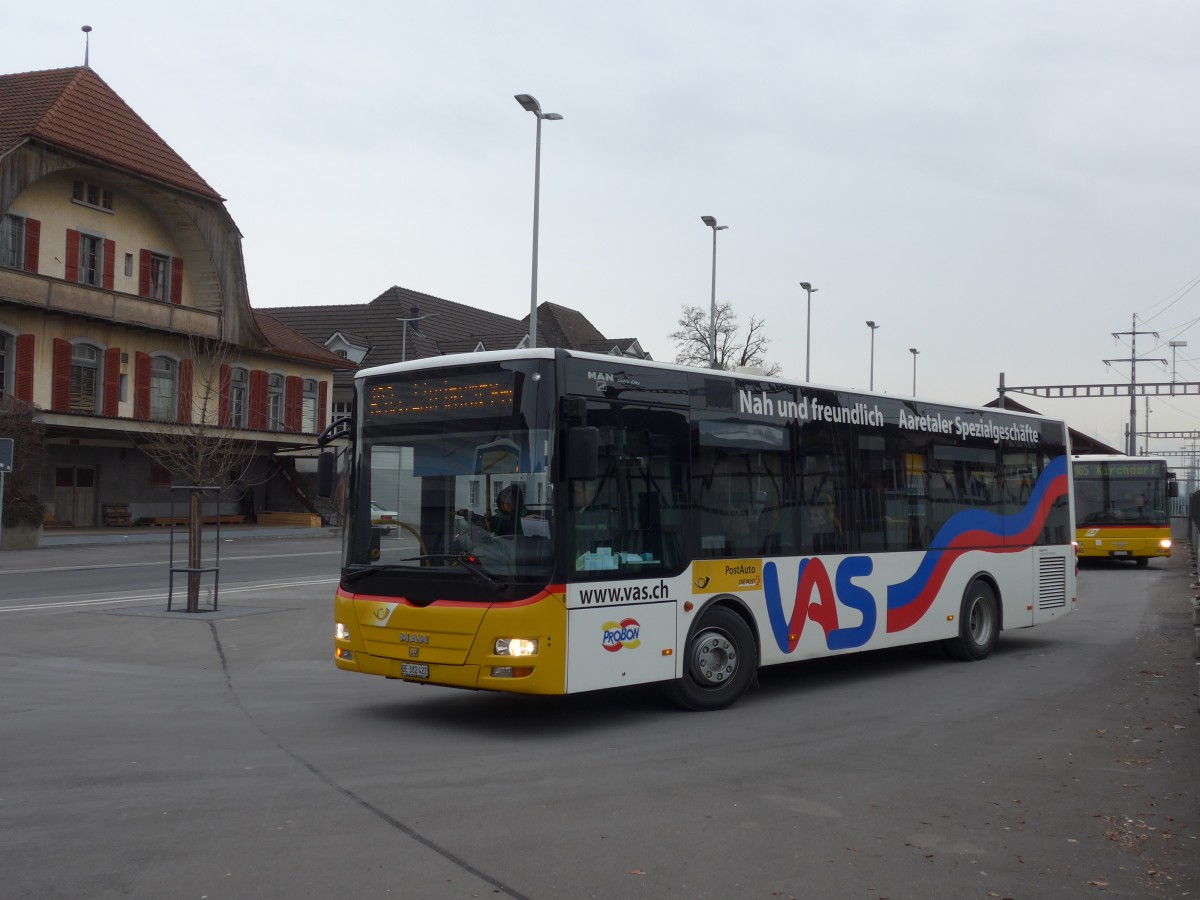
x=384 y=517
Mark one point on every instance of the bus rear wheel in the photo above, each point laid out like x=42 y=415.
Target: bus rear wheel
x=978 y=624
x=719 y=663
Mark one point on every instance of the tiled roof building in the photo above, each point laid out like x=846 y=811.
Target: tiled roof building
x=403 y=324
x=124 y=311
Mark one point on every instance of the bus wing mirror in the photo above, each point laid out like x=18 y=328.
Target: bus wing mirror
x=326 y=463
x=583 y=452
x=1172 y=488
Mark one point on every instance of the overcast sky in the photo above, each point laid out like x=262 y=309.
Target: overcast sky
x=1001 y=185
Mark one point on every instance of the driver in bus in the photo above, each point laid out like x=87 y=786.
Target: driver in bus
x=506 y=518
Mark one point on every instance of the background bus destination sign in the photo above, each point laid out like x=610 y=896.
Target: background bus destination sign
x=449 y=396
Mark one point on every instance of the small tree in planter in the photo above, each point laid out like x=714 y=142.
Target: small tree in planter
x=23 y=507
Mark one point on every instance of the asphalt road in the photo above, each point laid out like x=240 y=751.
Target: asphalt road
x=154 y=755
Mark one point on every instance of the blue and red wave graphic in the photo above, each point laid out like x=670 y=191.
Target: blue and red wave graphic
x=909 y=600
x=974 y=530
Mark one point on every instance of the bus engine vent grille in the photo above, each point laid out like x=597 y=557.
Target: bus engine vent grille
x=1052 y=582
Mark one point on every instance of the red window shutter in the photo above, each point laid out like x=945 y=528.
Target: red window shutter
x=23 y=389
x=72 y=264
x=142 y=364
x=110 y=264
x=176 y=280
x=60 y=380
x=33 y=244
x=293 y=402
x=185 y=391
x=224 y=400
x=112 y=381
x=257 y=414
x=322 y=402
x=143 y=273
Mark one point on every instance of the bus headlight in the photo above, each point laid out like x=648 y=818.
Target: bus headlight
x=1165 y=543
x=516 y=646
x=341 y=632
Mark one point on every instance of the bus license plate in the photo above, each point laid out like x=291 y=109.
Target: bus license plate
x=414 y=670
x=1120 y=553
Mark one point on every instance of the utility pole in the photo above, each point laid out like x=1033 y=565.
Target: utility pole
x=1131 y=439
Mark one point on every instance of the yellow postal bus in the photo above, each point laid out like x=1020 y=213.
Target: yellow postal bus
x=1121 y=507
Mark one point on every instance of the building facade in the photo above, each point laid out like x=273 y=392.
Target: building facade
x=125 y=320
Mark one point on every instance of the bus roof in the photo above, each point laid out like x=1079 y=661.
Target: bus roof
x=496 y=356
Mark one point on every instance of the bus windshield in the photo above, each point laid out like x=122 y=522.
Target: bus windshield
x=450 y=482
x=1120 y=493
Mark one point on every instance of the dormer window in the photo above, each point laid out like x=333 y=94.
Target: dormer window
x=92 y=195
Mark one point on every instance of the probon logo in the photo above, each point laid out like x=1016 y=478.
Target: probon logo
x=617 y=635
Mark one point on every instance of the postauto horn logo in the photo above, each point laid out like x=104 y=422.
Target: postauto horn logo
x=623 y=634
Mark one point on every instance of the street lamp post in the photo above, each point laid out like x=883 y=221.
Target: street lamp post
x=530 y=103
x=871 y=324
x=712 y=307
x=809 y=290
x=914 y=351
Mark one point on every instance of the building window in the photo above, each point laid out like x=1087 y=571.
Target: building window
x=12 y=241
x=91 y=259
x=308 y=414
x=128 y=265
x=160 y=276
x=275 y=403
x=85 y=378
x=342 y=408
x=92 y=195
x=6 y=363
x=164 y=389
x=239 y=398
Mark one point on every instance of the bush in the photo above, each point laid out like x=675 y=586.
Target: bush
x=23 y=511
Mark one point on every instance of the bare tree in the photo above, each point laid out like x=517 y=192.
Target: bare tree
x=22 y=503
x=733 y=349
x=204 y=450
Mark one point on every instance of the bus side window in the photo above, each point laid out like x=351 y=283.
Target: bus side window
x=825 y=514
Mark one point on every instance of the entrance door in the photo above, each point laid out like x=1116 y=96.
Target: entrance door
x=75 y=495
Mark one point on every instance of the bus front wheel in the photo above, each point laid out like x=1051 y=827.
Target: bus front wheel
x=719 y=664
x=978 y=624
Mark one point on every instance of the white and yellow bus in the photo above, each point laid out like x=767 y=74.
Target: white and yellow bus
x=569 y=522
x=1121 y=507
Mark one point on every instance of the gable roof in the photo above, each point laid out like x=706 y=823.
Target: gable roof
x=76 y=111
x=565 y=327
x=441 y=322
x=286 y=341
x=442 y=327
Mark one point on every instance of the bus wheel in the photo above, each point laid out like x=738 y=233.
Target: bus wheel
x=978 y=624
x=1143 y=560
x=719 y=665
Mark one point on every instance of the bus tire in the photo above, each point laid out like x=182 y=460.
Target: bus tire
x=1143 y=560
x=719 y=663
x=978 y=624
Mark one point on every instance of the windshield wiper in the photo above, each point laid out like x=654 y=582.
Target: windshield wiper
x=468 y=562
x=371 y=570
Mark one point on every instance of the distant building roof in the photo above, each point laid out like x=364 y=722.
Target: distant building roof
x=1080 y=442
x=76 y=111
x=286 y=341
x=442 y=327
x=564 y=327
